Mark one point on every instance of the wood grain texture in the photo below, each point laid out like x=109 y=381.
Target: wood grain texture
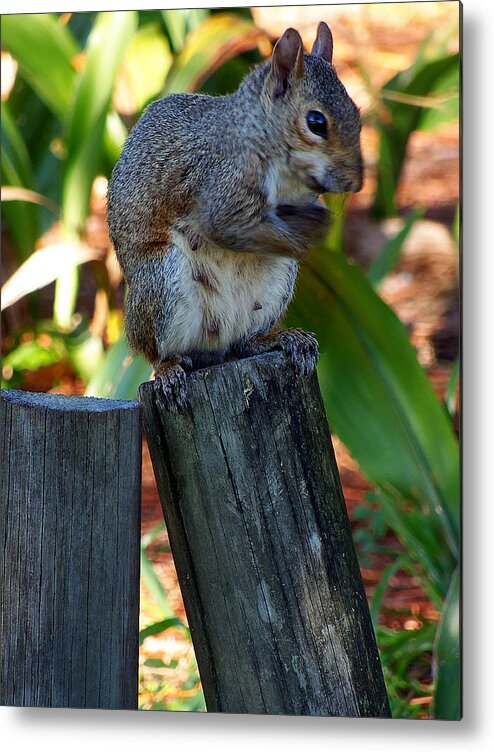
x=262 y=544
x=69 y=568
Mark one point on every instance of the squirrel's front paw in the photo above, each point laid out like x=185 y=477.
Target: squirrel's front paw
x=171 y=383
x=301 y=347
x=308 y=223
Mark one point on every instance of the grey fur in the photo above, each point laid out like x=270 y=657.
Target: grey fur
x=212 y=204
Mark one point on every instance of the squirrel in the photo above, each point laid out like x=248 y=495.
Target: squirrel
x=214 y=201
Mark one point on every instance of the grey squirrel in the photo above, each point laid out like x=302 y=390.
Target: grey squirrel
x=213 y=202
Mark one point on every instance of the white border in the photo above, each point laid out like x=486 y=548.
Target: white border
x=80 y=730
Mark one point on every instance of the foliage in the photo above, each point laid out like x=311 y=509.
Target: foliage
x=171 y=685
x=84 y=79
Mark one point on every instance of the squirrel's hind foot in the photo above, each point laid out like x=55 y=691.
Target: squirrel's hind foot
x=170 y=383
x=300 y=346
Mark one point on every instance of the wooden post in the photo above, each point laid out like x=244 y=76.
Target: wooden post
x=262 y=544
x=69 y=568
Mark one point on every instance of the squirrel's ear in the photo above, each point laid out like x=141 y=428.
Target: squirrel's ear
x=323 y=46
x=287 y=63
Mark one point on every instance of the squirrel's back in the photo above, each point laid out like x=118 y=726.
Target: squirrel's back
x=156 y=174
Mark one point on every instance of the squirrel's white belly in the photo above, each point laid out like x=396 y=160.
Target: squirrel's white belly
x=227 y=296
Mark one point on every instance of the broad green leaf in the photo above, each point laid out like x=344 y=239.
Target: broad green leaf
x=22 y=219
x=143 y=69
x=120 y=373
x=378 y=398
x=447 y=667
x=387 y=259
x=417 y=81
x=215 y=41
x=89 y=110
x=44 y=50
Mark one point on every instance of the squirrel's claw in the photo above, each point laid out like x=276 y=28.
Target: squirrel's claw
x=171 y=384
x=301 y=347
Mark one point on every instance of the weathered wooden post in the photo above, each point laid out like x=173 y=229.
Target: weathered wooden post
x=262 y=544
x=69 y=566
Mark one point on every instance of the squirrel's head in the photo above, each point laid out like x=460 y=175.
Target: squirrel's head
x=319 y=123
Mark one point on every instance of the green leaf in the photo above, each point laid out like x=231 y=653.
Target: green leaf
x=447 y=93
x=144 y=66
x=43 y=267
x=32 y=355
x=387 y=259
x=423 y=538
x=447 y=695
x=378 y=398
x=176 y=25
x=215 y=41
x=120 y=373
x=89 y=110
x=336 y=203
x=381 y=588
x=161 y=626
x=450 y=396
x=417 y=81
x=44 y=50
x=85 y=351
x=158 y=663
x=154 y=586
x=152 y=534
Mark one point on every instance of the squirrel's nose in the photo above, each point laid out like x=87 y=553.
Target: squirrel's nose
x=354 y=184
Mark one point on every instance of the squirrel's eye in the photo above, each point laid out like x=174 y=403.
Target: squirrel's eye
x=317 y=123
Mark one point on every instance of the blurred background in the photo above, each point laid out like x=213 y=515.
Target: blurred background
x=381 y=292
